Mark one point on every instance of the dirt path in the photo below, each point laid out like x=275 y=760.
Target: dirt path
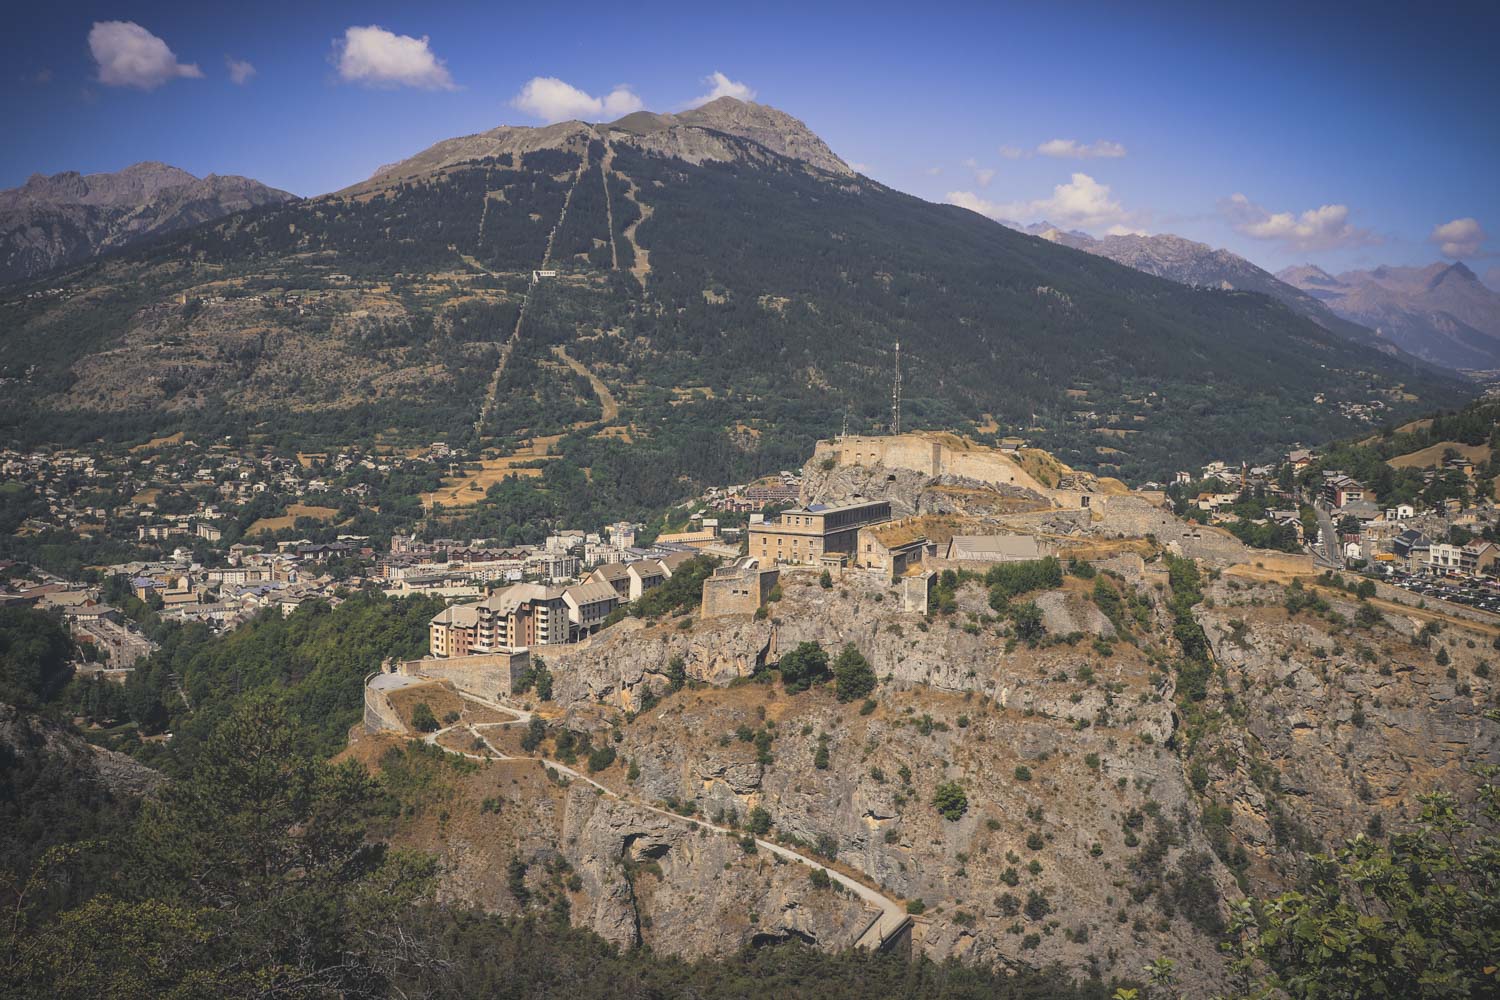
x=890 y=920
x=642 y=266
x=609 y=208
x=494 y=388
x=607 y=400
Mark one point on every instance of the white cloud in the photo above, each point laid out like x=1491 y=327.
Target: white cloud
x=1459 y=238
x=1014 y=153
x=240 y=70
x=982 y=175
x=719 y=86
x=1082 y=202
x=552 y=100
x=1072 y=149
x=933 y=171
x=379 y=58
x=1324 y=228
x=130 y=56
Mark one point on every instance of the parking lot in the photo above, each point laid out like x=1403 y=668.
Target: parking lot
x=1481 y=596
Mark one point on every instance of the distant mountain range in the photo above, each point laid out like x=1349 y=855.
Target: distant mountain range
x=66 y=218
x=1441 y=312
x=1202 y=266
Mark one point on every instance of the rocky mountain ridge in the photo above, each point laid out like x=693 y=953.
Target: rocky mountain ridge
x=1202 y=266
x=53 y=221
x=1441 y=312
x=693 y=136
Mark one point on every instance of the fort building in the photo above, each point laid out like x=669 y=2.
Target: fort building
x=803 y=535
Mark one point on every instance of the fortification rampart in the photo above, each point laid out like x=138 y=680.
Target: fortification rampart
x=486 y=675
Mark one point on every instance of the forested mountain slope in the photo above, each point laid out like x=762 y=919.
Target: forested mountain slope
x=735 y=301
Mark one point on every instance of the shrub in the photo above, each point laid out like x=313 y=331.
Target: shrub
x=601 y=758
x=1023 y=773
x=950 y=800
x=422 y=719
x=915 y=907
x=536 y=730
x=758 y=821
x=1037 y=905
x=825 y=580
x=819 y=878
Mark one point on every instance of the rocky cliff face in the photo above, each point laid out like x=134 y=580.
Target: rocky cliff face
x=66 y=218
x=632 y=876
x=1341 y=723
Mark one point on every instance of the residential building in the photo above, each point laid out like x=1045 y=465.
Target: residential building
x=589 y=604
x=453 y=631
x=1339 y=489
x=523 y=614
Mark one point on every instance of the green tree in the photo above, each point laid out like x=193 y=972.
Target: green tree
x=35 y=650
x=254 y=874
x=758 y=821
x=1028 y=622
x=1415 y=916
x=852 y=674
x=804 y=666
x=677 y=673
x=536 y=731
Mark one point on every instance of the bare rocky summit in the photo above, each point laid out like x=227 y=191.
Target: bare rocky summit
x=66 y=218
x=697 y=136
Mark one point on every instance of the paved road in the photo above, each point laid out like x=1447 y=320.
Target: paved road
x=1331 y=551
x=892 y=915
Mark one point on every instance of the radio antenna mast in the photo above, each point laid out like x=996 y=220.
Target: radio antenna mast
x=896 y=394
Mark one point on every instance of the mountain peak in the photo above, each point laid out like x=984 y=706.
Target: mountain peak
x=687 y=134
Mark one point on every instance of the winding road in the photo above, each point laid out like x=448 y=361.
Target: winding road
x=891 y=920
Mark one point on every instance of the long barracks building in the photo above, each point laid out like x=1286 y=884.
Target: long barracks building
x=803 y=535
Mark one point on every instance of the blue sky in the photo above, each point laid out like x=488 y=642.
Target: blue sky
x=1343 y=136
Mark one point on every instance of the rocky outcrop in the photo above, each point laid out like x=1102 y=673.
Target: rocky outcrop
x=22 y=734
